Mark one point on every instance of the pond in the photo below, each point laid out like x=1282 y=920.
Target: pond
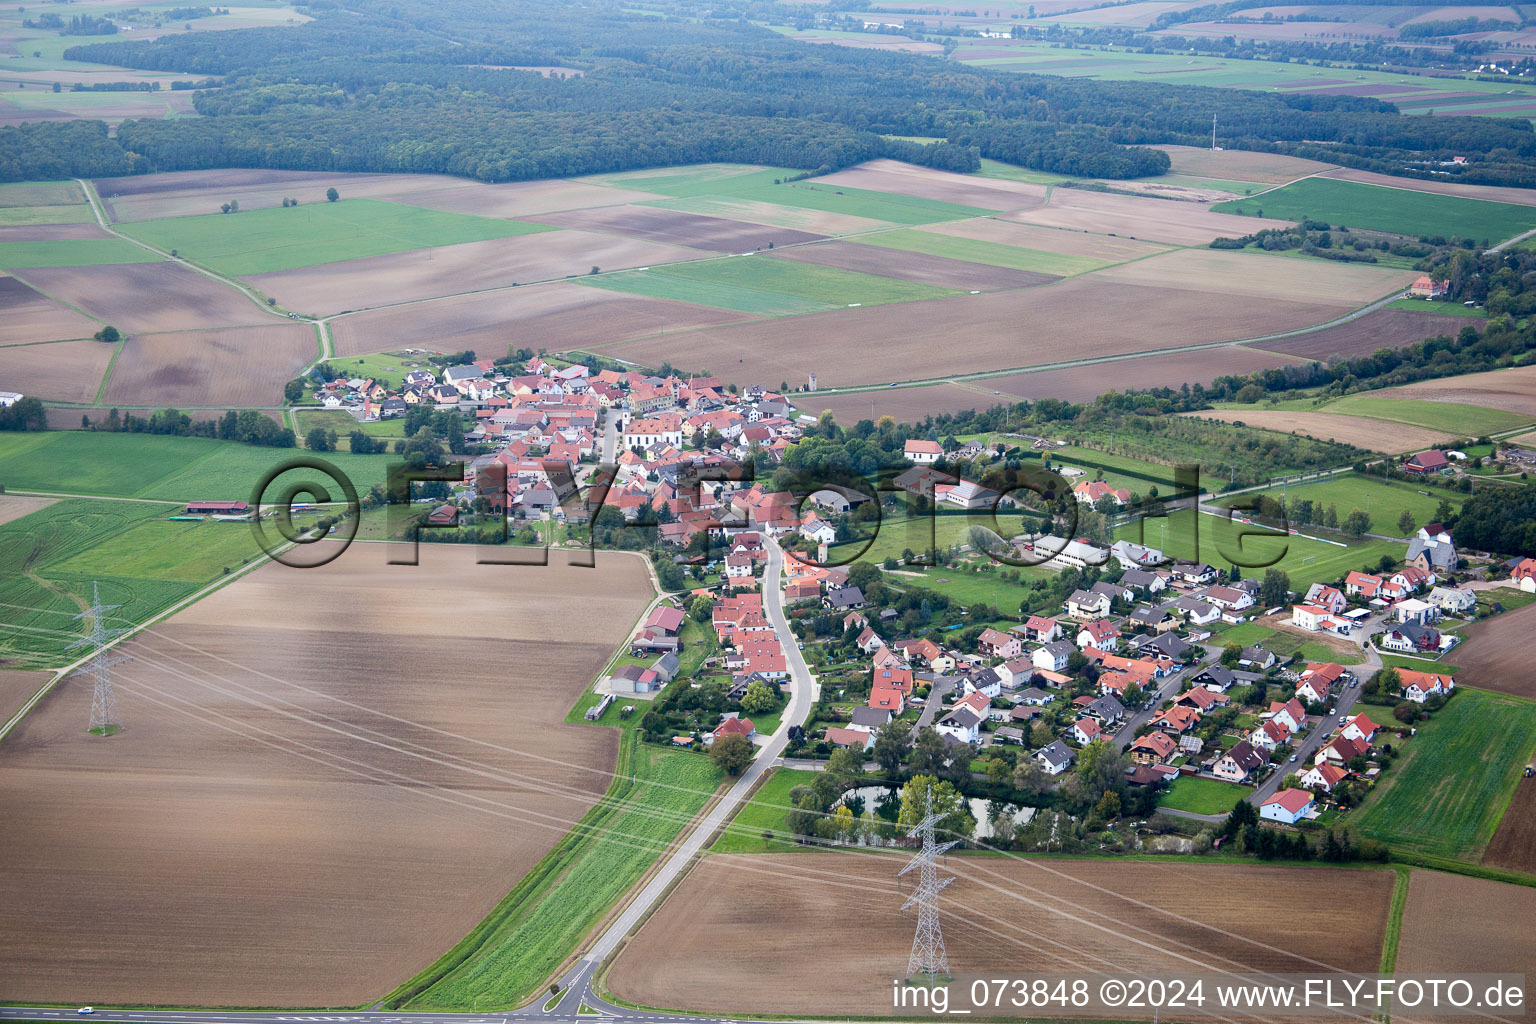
x=886 y=803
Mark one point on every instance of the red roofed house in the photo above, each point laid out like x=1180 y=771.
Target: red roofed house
x=1287 y=806
x=995 y=644
x=1431 y=461
x=1100 y=633
x=923 y=452
x=1361 y=728
x=1324 y=776
x=857 y=738
x=1291 y=714
x=1426 y=287
x=1153 y=748
x=1420 y=686
x=734 y=726
x=1085 y=731
x=668 y=620
x=1038 y=627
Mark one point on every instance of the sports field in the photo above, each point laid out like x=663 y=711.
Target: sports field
x=272 y=239
x=1446 y=793
x=1398 y=210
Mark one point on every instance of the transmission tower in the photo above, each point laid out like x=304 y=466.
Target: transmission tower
x=928 y=955
x=104 y=714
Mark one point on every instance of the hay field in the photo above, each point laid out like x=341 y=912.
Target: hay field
x=1454 y=924
x=1240 y=165
x=27 y=315
x=720 y=942
x=676 y=228
x=1068 y=320
x=61 y=371
x=1105 y=213
x=305 y=806
x=914 y=266
x=1381 y=328
x=148 y=297
x=189 y=193
x=241 y=366
x=1252 y=275
x=1512 y=389
x=892 y=176
x=1496 y=653
x=1101 y=249
x=553 y=316
x=1376 y=435
x=456 y=269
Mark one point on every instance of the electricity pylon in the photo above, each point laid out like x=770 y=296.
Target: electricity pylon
x=104 y=714
x=928 y=955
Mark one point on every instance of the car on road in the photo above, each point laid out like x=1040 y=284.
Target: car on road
x=1295 y=757
x=86 y=1009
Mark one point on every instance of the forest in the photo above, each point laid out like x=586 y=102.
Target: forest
x=411 y=85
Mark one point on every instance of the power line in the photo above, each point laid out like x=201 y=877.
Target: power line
x=104 y=717
x=928 y=958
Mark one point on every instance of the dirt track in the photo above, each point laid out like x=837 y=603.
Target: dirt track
x=325 y=779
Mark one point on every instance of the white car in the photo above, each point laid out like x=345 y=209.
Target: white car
x=1295 y=757
x=86 y=1010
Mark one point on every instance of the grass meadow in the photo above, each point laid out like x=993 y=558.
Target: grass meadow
x=1385 y=500
x=767 y=811
x=1397 y=210
x=72 y=252
x=973 y=250
x=1202 y=796
x=1447 y=791
x=1451 y=417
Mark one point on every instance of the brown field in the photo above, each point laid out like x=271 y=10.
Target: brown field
x=553 y=316
x=905 y=405
x=60 y=371
x=27 y=315
x=51 y=232
x=1514 y=844
x=148 y=297
x=902 y=44
x=17 y=686
x=1513 y=389
x=237 y=367
x=818 y=222
x=187 y=193
x=1085 y=383
x=1455 y=924
x=14 y=506
x=1029 y=236
x=306 y=805
x=1496 y=193
x=1253 y=275
x=1071 y=319
x=458 y=269
x=1135 y=15
x=1376 y=435
x=945 y=186
x=1239 y=165
x=718 y=943
x=913 y=266
x=1104 y=213
x=1496 y=654
x=519 y=198
x=676 y=228
x=1383 y=328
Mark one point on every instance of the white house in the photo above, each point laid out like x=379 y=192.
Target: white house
x=1414 y=610
x=923 y=452
x=10 y=398
x=1361 y=728
x=1053 y=656
x=1085 y=731
x=963 y=724
x=1453 y=600
x=1055 y=758
x=1287 y=806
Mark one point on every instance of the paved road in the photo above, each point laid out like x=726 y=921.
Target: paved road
x=1167 y=691
x=1342 y=702
x=557 y=1015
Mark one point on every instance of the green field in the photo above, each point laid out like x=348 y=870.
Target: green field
x=266 y=240
x=554 y=906
x=1202 y=796
x=344 y=424
x=899 y=531
x=1307 y=561
x=51 y=559
x=73 y=252
x=1398 y=210
x=1445 y=795
x=1119 y=471
x=154 y=466
x=1451 y=417
x=26 y=216
x=766 y=285
x=768 y=810
x=1384 y=500
x=695 y=179
x=1443 y=308
x=976 y=251
x=42 y=202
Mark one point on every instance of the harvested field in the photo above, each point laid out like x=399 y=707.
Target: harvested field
x=1100 y=248
x=757 y=211
x=188 y=193
x=1376 y=435
x=1252 y=275
x=555 y=316
x=51 y=232
x=14 y=506
x=913 y=266
x=905 y=405
x=27 y=315
x=733 y=910
x=713 y=233
x=945 y=186
x=1104 y=213
x=518 y=198
x=1455 y=924
x=148 y=297
x=1382 y=328
x=1514 y=844
x=457 y=269
x=1133 y=15
x=283 y=766
x=1493 y=193
x=1496 y=654
x=242 y=366
x=1085 y=383
x=60 y=371
x=16 y=685
x=1070 y=319
x=1240 y=165
x=1513 y=389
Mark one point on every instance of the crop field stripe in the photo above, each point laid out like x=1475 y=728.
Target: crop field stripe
x=809 y=281
x=889 y=206
x=1384 y=208
x=75 y=252
x=973 y=250
x=702 y=293
x=1394 y=933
